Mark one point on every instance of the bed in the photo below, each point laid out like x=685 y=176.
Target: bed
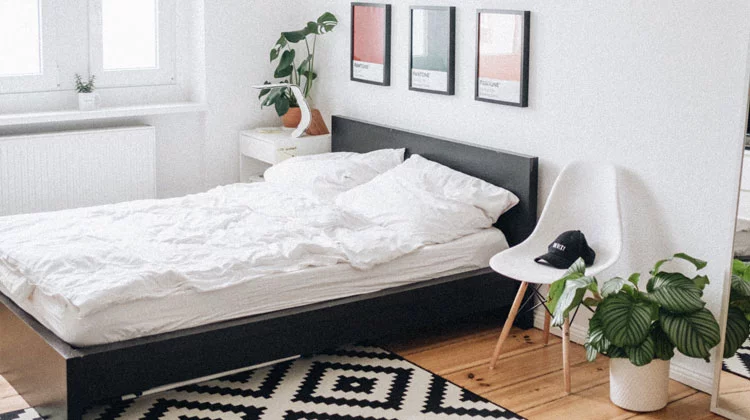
x=171 y=345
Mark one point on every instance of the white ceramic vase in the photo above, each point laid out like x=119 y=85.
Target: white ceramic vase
x=639 y=388
x=89 y=101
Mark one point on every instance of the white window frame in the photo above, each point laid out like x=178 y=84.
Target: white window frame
x=48 y=78
x=166 y=70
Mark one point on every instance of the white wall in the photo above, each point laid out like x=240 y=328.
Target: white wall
x=658 y=88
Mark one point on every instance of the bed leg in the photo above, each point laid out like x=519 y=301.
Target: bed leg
x=31 y=366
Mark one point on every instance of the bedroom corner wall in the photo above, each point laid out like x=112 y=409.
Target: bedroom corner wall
x=657 y=88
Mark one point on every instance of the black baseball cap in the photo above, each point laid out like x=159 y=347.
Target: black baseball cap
x=566 y=249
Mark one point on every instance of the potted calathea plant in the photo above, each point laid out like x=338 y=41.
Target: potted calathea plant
x=738 y=315
x=640 y=329
x=295 y=68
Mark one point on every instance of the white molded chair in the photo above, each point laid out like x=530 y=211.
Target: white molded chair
x=584 y=197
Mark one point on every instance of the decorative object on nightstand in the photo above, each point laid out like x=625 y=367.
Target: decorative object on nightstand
x=88 y=100
x=262 y=147
x=584 y=197
x=302 y=107
x=283 y=100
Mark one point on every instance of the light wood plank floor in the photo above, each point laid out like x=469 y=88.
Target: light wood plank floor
x=528 y=377
x=527 y=380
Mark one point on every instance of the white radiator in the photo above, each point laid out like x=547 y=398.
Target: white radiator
x=54 y=171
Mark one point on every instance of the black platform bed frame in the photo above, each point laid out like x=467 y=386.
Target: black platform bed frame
x=61 y=381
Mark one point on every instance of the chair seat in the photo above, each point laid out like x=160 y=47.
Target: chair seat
x=518 y=263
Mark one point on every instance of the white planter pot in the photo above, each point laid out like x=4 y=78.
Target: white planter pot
x=88 y=101
x=634 y=388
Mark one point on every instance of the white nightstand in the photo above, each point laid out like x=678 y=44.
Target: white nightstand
x=262 y=147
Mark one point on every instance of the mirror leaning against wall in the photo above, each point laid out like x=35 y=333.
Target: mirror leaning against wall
x=731 y=397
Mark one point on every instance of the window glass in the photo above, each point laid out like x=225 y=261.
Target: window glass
x=20 y=53
x=129 y=34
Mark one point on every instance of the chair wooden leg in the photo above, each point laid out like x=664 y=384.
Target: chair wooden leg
x=547 y=321
x=509 y=322
x=566 y=354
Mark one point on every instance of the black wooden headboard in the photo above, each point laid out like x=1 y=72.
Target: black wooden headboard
x=512 y=171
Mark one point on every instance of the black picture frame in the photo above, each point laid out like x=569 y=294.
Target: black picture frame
x=451 y=64
x=523 y=101
x=387 y=53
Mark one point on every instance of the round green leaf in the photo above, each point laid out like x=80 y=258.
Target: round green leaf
x=740 y=285
x=614 y=285
x=626 y=320
x=738 y=329
x=694 y=334
x=675 y=292
x=571 y=297
x=642 y=354
x=596 y=342
x=663 y=347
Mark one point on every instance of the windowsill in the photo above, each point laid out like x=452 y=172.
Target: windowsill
x=113 y=112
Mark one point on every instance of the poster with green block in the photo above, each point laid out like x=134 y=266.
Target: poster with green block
x=432 y=49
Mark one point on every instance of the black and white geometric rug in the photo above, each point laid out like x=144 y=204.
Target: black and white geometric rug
x=350 y=383
x=739 y=364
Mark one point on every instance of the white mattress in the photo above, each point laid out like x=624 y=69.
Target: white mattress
x=190 y=308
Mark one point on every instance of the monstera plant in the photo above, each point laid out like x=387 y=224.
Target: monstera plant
x=738 y=316
x=295 y=68
x=637 y=327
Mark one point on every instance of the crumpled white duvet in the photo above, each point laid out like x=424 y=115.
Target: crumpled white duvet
x=99 y=256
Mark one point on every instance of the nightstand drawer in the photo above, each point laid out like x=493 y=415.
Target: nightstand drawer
x=258 y=149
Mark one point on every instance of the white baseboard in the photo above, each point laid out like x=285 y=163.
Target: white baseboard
x=691 y=378
x=679 y=373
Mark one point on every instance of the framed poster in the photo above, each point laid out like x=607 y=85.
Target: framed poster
x=502 y=57
x=371 y=43
x=432 y=53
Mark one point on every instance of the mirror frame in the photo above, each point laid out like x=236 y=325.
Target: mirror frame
x=726 y=286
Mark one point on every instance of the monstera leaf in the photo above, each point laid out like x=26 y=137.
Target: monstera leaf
x=626 y=320
x=694 y=334
x=326 y=22
x=286 y=64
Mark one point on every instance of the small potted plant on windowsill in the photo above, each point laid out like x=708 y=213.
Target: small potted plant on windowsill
x=302 y=74
x=640 y=329
x=88 y=100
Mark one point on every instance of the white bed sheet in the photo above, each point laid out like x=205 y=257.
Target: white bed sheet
x=277 y=291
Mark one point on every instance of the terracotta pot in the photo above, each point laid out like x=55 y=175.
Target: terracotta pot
x=317 y=125
x=292 y=118
x=643 y=389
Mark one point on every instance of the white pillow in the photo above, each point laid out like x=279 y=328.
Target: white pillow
x=329 y=174
x=429 y=200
